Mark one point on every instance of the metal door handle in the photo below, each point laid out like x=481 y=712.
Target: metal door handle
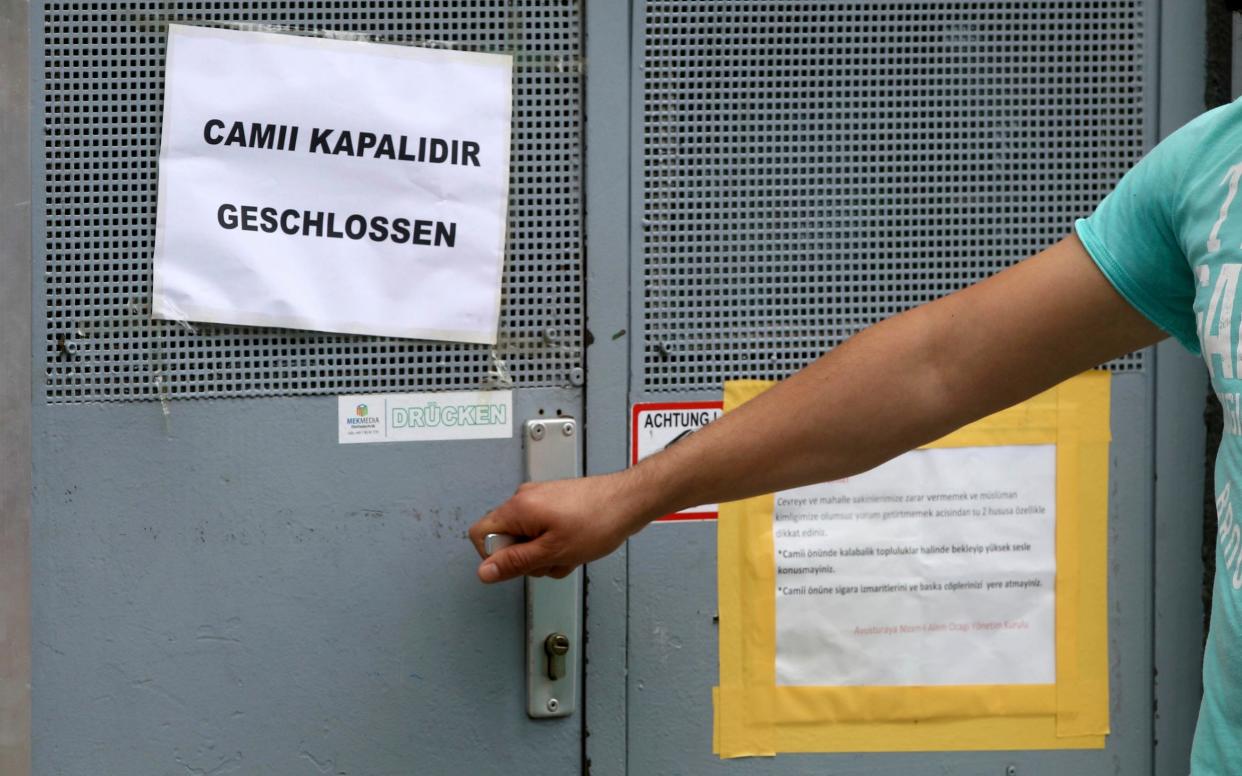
x=553 y=606
x=493 y=543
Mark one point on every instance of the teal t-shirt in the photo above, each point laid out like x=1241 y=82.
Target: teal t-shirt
x=1169 y=238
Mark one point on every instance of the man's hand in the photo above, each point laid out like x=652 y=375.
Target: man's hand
x=901 y=383
x=567 y=522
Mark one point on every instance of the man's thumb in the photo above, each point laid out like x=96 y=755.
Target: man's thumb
x=515 y=561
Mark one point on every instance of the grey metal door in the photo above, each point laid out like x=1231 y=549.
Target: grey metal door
x=218 y=586
x=798 y=171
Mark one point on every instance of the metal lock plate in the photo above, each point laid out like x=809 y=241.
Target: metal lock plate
x=553 y=606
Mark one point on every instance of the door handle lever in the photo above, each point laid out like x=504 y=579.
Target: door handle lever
x=495 y=542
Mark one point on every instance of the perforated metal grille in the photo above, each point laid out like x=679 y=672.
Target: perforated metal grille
x=103 y=82
x=810 y=168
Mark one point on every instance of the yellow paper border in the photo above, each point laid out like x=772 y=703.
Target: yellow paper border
x=754 y=716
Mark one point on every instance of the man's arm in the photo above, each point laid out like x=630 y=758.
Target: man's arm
x=897 y=385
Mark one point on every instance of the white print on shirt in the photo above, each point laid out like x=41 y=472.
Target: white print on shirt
x=1216 y=337
x=1216 y=326
x=1229 y=537
x=1231 y=403
x=1235 y=172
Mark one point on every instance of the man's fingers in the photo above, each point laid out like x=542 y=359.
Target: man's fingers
x=511 y=517
x=492 y=522
x=516 y=561
x=478 y=532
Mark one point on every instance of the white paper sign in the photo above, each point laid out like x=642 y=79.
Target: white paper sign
x=937 y=568
x=657 y=425
x=332 y=185
x=424 y=417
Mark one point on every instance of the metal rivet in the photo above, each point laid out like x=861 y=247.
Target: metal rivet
x=568 y=429
x=576 y=376
x=551 y=335
x=553 y=705
x=1011 y=771
x=536 y=431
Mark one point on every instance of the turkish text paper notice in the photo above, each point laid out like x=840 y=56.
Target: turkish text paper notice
x=332 y=185
x=936 y=568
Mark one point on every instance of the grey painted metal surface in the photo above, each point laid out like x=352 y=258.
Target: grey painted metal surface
x=672 y=580
x=103 y=95
x=1236 y=85
x=227 y=590
x=607 y=359
x=15 y=388
x=1181 y=383
x=218 y=586
x=674 y=658
x=809 y=169
x=225 y=587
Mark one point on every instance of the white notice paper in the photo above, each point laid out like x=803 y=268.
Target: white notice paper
x=424 y=417
x=937 y=568
x=332 y=185
x=659 y=425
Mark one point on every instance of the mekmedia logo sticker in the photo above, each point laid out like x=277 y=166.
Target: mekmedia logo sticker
x=362 y=418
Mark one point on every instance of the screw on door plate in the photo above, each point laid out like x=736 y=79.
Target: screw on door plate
x=537 y=431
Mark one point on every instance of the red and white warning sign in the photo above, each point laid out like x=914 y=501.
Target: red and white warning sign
x=657 y=425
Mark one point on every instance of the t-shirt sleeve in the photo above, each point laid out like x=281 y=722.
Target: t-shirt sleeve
x=1132 y=237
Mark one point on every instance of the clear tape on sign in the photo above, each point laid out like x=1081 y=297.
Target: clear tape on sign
x=177 y=317
x=498 y=374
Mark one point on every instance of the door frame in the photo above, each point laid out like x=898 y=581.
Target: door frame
x=15 y=386
x=607 y=278
x=1179 y=386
